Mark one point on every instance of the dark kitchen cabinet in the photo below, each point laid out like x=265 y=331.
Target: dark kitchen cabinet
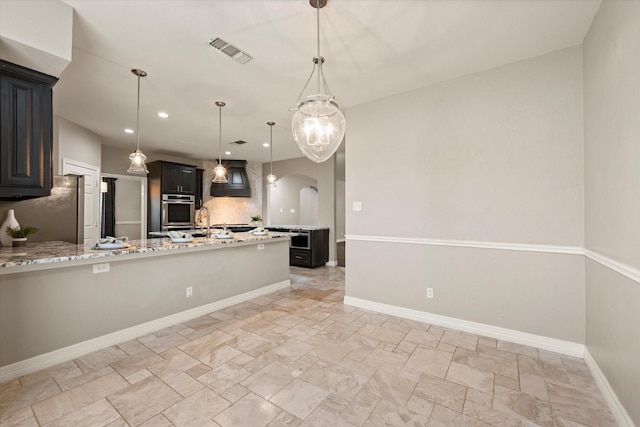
x=26 y=132
x=199 y=187
x=309 y=248
x=175 y=178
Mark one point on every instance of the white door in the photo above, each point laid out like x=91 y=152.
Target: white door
x=91 y=220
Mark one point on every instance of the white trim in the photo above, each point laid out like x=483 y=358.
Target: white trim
x=67 y=161
x=333 y=263
x=619 y=413
x=625 y=270
x=573 y=250
x=46 y=360
x=537 y=341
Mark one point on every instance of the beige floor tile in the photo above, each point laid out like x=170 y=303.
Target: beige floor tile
x=252 y=344
x=141 y=401
x=59 y=372
x=430 y=361
x=22 y=418
x=197 y=409
x=389 y=414
x=96 y=414
x=272 y=378
x=15 y=397
x=581 y=406
x=72 y=400
x=360 y=408
x=157 y=421
x=132 y=364
x=184 y=384
x=382 y=334
x=285 y=419
x=299 y=398
x=250 y=411
x=100 y=359
x=441 y=392
x=445 y=417
x=460 y=340
x=206 y=344
x=393 y=385
x=522 y=405
x=224 y=376
x=171 y=367
x=293 y=349
x=72 y=382
x=424 y=338
x=470 y=377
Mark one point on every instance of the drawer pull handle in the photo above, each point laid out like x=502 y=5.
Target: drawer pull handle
x=298 y=257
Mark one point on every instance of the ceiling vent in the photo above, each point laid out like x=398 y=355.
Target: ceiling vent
x=230 y=50
x=239 y=142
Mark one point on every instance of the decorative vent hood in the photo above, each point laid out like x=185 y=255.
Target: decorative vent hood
x=238 y=181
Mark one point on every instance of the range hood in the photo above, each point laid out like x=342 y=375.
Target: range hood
x=238 y=181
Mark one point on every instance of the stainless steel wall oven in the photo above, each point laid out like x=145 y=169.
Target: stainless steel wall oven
x=178 y=211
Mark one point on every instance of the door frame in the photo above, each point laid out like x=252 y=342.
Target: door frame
x=75 y=167
x=143 y=199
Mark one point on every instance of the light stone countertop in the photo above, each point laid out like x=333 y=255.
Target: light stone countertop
x=60 y=252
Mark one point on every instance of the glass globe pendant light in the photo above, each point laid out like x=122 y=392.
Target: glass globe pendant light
x=318 y=125
x=137 y=157
x=219 y=172
x=271 y=178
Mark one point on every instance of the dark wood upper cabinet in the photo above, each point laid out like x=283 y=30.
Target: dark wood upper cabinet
x=26 y=132
x=177 y=178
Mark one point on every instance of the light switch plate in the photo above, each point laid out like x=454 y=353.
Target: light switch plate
x=357 y=206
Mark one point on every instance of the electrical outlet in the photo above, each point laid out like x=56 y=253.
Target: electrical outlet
x=189 y=292
x=292 y=210
x=430 y=293
x=261 y=246
x=101 y=268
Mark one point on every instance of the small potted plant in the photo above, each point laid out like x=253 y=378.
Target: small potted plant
x=257 y=220
x=19 y=234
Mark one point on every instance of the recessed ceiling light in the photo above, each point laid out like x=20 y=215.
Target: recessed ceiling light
x=128 y=130
x=265 y=144
x=163 y=115
x=228 y=153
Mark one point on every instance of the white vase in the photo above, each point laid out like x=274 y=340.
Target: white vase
x=5 y=239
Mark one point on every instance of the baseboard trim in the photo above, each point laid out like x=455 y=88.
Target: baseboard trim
x=537 y=341
x=46 y=360
x=617 y=410
x=333 y=263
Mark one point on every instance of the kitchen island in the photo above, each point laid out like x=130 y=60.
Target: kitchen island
x=59 y=300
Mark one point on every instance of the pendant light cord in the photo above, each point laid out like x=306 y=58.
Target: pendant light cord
x=320 y=59
x=271 y=145
x=138 y=117
x=220 y=133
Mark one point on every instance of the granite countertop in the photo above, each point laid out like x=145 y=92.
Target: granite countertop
x=58 y=251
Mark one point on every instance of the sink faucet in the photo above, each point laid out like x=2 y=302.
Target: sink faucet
x=199 y=219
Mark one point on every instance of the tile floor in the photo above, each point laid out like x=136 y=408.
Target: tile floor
x=299 y=357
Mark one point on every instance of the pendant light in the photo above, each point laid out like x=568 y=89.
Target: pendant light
x=318 y=125
x=137 y=157
x=219 y=172
x=271 y=178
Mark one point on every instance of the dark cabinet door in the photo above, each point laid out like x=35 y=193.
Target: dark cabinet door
x=187 y=180
x=26 y=129
x=178 y=179
x=171 y=179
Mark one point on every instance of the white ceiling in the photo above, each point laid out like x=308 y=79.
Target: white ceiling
x=373 y=49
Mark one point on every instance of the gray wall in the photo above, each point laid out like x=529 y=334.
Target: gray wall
x=491 y=157
x=74 y=142
x=612 y=195
x=41 y=311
